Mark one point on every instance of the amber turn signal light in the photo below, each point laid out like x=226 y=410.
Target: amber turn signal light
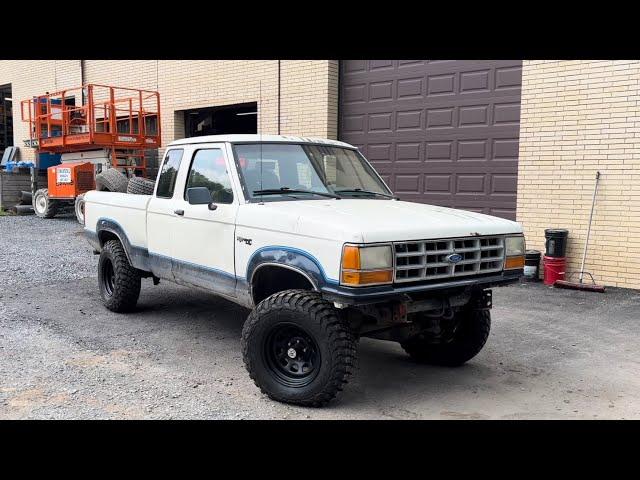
x=514 y=262
x=351 y=258
x=367 y=277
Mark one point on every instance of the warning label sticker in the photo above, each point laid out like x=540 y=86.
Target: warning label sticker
x=63 y=175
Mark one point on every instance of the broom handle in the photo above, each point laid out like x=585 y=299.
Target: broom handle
x=586 y=244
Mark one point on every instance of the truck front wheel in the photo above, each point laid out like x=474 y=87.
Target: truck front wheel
x=297 y=349
x=464 y=343
x=119 y=282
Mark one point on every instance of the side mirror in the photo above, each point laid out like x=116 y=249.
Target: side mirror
x=200 y=196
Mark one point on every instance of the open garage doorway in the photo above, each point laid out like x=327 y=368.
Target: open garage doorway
x=6 y=118
x=221 y=120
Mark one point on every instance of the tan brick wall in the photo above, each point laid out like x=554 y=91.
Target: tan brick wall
x=579 y=117
x=35 y=77
x=309 y=89
x=309 y=98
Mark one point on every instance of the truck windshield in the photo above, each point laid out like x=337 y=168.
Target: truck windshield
x=285 y=171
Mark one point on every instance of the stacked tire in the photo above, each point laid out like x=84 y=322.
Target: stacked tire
x=140 y=186
x=111 y=180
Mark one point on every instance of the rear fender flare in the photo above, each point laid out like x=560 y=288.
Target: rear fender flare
x=134 y=254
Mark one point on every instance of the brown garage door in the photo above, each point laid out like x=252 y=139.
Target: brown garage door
x=443 y=132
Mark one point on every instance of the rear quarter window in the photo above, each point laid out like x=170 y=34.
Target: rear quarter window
x=168 y=173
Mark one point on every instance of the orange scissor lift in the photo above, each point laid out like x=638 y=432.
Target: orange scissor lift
x=122 y=122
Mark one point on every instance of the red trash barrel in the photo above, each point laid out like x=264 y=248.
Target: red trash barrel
x=554 y=269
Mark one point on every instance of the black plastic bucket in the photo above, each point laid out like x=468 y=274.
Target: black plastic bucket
x=532 y=265
x=556 y=242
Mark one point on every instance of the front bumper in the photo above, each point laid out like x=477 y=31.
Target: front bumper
x=384 y=293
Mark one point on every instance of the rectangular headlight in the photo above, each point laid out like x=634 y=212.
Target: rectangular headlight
x=366 y=265
x=375 y=257
x=514 y=245
x=515 y=248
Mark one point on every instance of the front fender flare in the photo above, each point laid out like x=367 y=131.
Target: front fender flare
x=292 y=258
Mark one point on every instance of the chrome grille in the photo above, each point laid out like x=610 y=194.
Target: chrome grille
x=427 y=259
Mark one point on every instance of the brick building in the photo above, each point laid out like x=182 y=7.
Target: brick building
x=516 y=139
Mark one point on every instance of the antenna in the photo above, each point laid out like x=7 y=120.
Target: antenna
x=260 y=131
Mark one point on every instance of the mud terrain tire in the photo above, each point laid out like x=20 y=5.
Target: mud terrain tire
x=297 y=349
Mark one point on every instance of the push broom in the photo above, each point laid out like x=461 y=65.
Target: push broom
x=580 y=284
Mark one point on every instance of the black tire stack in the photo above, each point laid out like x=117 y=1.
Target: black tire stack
x=24 y=206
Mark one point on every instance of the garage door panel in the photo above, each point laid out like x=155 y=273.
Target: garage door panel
x=505 y=70
x=444 y=168
x=498 y=115
x=463 y=156
x=435 y=136
x=366 y=101
x=442 y=132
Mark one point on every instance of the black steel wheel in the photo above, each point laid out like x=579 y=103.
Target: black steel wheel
x=119 y=282
x=297 y=349
x=108 y=277
x=292 y=355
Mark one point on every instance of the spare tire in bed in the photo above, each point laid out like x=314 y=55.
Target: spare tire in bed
x=111 y=180
x=140 y=186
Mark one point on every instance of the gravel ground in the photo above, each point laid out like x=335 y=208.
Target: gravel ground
x=551 y=354
x=38 y=252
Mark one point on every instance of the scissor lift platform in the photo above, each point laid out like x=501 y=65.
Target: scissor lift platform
x=124 y=120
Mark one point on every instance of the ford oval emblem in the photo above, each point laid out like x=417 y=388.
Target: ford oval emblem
x=454 y=258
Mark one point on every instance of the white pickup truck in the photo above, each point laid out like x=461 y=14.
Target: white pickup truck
x=306 y=234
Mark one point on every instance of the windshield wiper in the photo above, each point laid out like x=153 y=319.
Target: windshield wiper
x=287 y=191
x=359 y=190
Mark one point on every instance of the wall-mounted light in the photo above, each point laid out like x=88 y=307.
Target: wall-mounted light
x=247 y=113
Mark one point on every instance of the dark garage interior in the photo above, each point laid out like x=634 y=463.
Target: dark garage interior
x=6 y=118
x=221 y=120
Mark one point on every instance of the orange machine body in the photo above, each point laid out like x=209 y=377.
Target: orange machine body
x=70 y=179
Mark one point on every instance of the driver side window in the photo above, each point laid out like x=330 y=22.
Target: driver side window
x=208 y=169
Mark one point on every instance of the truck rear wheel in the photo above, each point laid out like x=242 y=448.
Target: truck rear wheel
x=43 y=206
x=119 y=282
x=465 y=343
x=296 y=348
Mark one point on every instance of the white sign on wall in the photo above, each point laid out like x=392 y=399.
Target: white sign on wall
x=63 y=175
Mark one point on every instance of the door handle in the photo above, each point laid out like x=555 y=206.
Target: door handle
x=179 y=212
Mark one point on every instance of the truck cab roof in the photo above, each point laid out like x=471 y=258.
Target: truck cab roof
x=253 y=138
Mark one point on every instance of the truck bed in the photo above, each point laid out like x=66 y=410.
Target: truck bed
x=125 y=209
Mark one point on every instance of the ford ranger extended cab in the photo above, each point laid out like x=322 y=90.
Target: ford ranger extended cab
x=307 y=235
